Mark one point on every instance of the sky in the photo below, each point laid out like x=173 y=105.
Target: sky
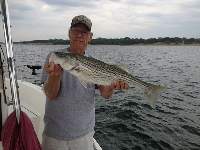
x=48 y=19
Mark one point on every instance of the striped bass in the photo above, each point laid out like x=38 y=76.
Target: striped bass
x=91 y=70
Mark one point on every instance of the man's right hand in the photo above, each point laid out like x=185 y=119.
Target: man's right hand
x=52 y=85
x=53 y=69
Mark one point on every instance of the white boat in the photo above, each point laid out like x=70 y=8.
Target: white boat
x=32 y=101
x=30 y=96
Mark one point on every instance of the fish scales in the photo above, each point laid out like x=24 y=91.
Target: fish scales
x=93 y=70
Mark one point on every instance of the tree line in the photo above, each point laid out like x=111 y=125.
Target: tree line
x=124 y=41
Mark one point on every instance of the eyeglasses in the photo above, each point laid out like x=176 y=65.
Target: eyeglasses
x=78 y=31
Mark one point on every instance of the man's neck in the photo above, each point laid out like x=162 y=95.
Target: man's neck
x=76 y=51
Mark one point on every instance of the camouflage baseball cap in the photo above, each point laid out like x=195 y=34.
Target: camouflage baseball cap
x=83 y=20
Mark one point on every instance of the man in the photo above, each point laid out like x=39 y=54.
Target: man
x=70 y=108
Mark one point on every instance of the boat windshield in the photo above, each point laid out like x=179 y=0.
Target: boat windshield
x=2 y=40
x=3 y=58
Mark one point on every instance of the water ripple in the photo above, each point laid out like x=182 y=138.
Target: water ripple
x=127 y=122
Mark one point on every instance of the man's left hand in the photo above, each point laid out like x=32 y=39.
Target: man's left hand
x=107 y=91
x=119 y=85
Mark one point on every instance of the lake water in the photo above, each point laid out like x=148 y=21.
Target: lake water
x=127 y=122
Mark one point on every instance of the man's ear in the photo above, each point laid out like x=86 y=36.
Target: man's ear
x=90 y=38
x=69 y=34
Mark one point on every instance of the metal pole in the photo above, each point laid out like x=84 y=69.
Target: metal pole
x=10 y=59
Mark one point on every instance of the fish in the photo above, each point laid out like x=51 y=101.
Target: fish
x=92 y=70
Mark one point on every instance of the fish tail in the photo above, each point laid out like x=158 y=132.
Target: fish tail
x=152 y=92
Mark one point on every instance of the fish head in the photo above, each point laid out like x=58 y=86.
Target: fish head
x=65 y=60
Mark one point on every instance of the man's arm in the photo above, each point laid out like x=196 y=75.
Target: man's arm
x=107 y=91
x=52 y=85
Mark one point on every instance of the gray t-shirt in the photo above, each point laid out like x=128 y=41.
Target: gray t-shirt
x=72 y=113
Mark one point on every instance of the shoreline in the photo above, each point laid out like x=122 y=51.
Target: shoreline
x=112 y=44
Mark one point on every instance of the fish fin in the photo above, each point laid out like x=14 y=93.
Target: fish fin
x=83 y=83
x=152 y=93
x=76 y=67
x=90 y=56
x=123 y=66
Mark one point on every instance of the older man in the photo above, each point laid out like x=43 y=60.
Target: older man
x=70 y=108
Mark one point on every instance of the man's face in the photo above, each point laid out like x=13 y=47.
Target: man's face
x=79 y=36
